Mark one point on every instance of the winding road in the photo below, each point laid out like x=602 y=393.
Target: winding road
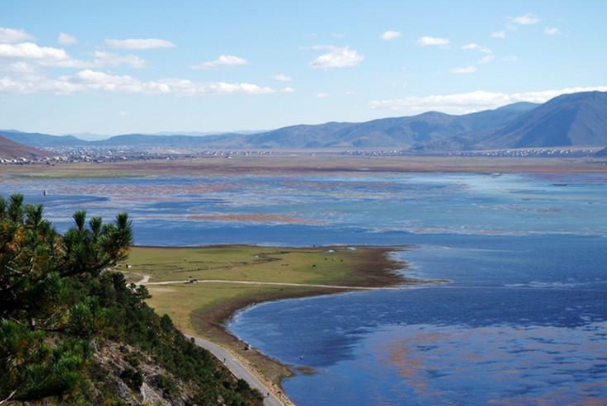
x=239 y=370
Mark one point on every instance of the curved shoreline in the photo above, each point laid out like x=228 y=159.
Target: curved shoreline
x=224 y=280
x=380 y=270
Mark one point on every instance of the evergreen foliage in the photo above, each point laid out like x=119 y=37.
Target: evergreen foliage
x=61 y=305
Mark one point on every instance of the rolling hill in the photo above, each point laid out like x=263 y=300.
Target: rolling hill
x=12 y=150
x=41 y=140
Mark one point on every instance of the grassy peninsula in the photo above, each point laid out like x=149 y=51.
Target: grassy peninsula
x=249 y=275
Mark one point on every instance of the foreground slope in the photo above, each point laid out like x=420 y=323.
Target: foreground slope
x=72 y=332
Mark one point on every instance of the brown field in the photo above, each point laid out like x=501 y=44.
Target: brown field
x=298 y=163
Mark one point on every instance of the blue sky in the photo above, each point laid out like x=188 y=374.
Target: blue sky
x=148 y=66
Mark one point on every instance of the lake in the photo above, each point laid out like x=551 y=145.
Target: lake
x=523 y=321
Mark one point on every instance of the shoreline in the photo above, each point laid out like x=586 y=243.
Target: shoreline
x=379 y=269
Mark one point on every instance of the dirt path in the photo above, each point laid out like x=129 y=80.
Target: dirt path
x=305 y=285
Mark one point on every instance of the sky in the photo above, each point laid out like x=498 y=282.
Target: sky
x=114 y=67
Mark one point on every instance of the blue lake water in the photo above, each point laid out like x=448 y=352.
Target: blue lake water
x=524 y=320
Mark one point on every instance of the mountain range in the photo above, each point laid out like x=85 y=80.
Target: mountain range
x=578 y=119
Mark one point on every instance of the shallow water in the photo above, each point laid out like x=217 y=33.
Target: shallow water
x=523 y=321
x=532 y=325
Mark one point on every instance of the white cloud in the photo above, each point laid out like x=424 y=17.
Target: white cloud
x=107 y=59
x=462 y=103
x=14 y=36
x=432 y=41
x=22 y=70
x=66 y=39
x=21 y=79
x=222 y=61
x=551 y=31
x=476 y=47
x=184 y=87
x=287 y=90
x=471 y=46
x=390 y=35
x=90 y=80
x=148 y=43
x=281 y=77
x=33 y=52
x=463 y=71
x=57 y=57
x=499 y=34
x=322 y=95
x=526 y=19
x=486 y=59
x=336 y=58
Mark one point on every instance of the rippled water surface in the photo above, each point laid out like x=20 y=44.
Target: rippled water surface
x=524 y=320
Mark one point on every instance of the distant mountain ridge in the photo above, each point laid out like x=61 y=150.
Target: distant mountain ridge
x=386 y=132
x=578 y=119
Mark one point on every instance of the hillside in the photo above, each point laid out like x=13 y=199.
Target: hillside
x=13 y=150
x=578 y=119
x=40 y=140
x=73 y=332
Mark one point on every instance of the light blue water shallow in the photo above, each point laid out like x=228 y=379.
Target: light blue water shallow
x=523 y=322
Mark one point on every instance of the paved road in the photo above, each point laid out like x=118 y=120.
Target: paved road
x=232 y=363
x=239 y=370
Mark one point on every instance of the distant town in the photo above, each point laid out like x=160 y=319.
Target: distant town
x=89 y=154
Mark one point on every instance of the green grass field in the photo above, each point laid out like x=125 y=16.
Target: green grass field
x=202 y=308
x=242 y=263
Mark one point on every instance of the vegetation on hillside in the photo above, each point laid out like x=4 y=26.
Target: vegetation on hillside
x=72 y=332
